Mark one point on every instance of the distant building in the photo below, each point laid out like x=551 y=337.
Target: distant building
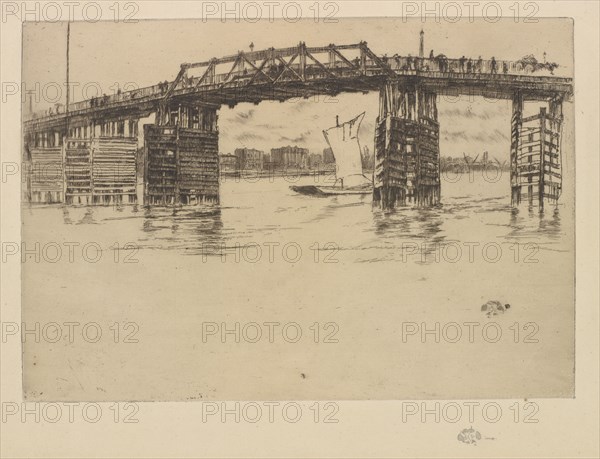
x=285 y=157
x=250 y=159
x=315 y=160
x=368 y=159
x=228 y=163
x=328 y=156
x=268 y=162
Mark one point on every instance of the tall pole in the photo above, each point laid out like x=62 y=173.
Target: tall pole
x=422 y=44
x=66 y=136
x=68 y=87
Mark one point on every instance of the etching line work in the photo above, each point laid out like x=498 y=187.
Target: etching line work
x=286 y=221
x=92 y=143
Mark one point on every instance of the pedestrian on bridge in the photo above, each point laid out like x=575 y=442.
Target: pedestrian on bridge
x=479 y=64
x=504 y=67
x=461 y=64
x=442 y=62
x=493 y=65
x=469 y=65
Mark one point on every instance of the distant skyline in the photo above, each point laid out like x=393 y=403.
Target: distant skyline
x=109 y=55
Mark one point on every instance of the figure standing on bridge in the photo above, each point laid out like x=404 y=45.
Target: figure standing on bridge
x=461 y=64
x=504 y=67
x=445 y=63
x=469 y=65
x=479 y=64
x=431 y=54
x=441 y=61
x=493 y=65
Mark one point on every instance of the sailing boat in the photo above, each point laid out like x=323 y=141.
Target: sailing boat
x=350 y=179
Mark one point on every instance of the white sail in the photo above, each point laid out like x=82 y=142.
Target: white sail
x=343 y=140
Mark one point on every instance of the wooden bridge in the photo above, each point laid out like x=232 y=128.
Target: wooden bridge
x=90 y=140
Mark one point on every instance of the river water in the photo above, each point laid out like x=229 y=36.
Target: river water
x=354 y=280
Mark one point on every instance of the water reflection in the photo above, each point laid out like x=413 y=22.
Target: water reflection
x=265 y=212
x=552 y=226
x=191 y=229
x=78 y=215
x=530 y=223
x=402 y=222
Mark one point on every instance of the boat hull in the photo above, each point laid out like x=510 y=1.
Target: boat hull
x=323 y=191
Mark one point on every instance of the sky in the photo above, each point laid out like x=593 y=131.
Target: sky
x=110 y=55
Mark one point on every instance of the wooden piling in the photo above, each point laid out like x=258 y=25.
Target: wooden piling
x=407 y=167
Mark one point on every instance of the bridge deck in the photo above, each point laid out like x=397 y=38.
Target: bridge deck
x=296 y=72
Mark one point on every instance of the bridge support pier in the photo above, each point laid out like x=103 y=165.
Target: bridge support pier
x=43 y=167
x=181 y=162
x=407 y=151
x=114 y=162
x=99 y=162
x=93 y=163
x=78 y=164
x=536 y=167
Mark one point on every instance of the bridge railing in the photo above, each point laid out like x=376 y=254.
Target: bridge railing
x=397 y=64
x=100 y=101
x=336 y=67
x=311 y=72
x=471 y=66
